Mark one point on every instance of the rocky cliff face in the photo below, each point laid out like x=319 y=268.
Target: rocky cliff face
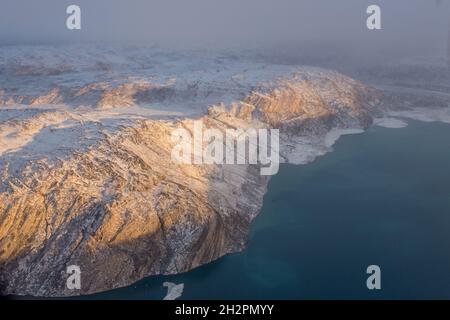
x=98 y=189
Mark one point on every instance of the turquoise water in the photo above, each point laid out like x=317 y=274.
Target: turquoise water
x=381 y=198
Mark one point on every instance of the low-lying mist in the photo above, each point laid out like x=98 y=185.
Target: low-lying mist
x=318 y=29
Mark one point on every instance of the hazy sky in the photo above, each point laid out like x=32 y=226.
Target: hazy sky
x=408 y=25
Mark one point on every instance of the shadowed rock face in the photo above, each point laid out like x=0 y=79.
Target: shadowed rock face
x=121 y=211
x=109 y=199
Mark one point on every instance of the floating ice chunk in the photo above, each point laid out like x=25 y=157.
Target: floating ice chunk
x=174 y=290
x=392 y=123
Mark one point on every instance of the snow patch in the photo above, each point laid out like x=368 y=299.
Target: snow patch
x=424 y=114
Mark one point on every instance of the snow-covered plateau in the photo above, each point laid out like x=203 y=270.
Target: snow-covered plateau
x=85 y=153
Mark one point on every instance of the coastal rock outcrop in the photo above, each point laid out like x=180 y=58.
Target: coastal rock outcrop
x=99 y=189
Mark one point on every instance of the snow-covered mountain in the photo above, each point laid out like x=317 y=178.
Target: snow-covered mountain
x=85 y=156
